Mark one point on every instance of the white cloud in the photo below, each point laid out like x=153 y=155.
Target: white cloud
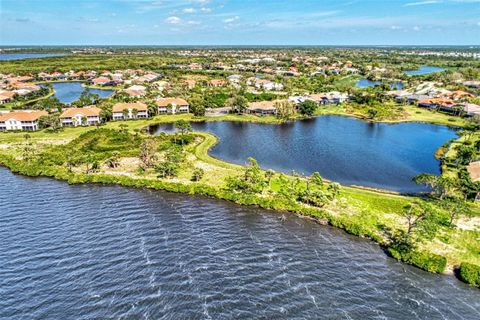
x=395 y=27
x=173 y=20
x=421 y=3
x=232 y=19
x=416 y=28
x=205 y=10
x=189 y=10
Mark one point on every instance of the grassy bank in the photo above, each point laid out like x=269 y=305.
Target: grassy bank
x=360 y=211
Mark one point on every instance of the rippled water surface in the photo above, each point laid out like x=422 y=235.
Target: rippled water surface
x=97 y=252
x=342 y=149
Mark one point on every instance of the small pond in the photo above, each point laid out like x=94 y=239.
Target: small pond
x=67 y=92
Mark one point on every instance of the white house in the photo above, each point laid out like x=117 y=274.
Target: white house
x=26 y=120
x=80 y=116
x=172 y=105
x=123 y=111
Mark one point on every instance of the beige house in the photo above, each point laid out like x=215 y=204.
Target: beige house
x=172 y=105
x=26 y=120
x=133 y=110
x=80 y=116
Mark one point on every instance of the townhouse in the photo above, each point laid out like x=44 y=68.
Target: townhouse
x=80 y=116
x=26 y=120
x=132 y=110
x=172 y=105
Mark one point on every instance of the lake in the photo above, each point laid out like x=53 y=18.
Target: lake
x=365 y=83
x=424 y=70
x=18 y=56
x=342 y=149
x=67 y=92
x=107 y=252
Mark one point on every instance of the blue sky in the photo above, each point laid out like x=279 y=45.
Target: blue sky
x=239 y=22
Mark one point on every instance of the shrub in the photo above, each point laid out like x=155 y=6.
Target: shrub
x=421 y=259
x=470 y=273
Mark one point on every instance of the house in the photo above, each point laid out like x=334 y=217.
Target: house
x=437 y=103
x=136 y=91
x=333 y=97
x=264 y=84
x=133 y=110
x=102 y=81
x=26 y=120
x=190 y=83
x=6 y=96
x=459 y=95
x=172 y=105
x=472 y=84
x=471 y=109
x=234 y=78
x=80 y=116
x=262 y=107
x=217 y=83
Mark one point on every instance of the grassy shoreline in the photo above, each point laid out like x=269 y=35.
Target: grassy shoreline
x=363 y=211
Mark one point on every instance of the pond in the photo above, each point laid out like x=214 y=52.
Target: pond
x=342 y=149
x=107 y=252
x=18 y=56
x=424 y=70
x=365 y=83
x=67 y=92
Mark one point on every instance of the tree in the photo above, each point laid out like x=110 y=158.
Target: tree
x=86 y=99
x=147 y=153
x=49 y=121
x=454 y=207
x=252 y=180
x=125 y=113
x=422 y=222
x=285 y=109
x=183 y=126
x=84 y=121
x=317 y=179
x=238 y=104
x=334 y=188
x=307 y=108
x=198 y=174
x=113 y=161
x=441 y=185
x=28 y=151
x=134 y=113
x=197 y=105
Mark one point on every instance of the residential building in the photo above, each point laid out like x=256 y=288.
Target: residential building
x=328 y=98
x=172 y=105
x=123 y=111
x=262 y=107
x=102 y=81
x=26 y=120
x=6 y=96
x=217 y=83
x=80 y=116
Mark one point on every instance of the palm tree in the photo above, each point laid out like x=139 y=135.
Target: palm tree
x=125 y=113
x=134 y=113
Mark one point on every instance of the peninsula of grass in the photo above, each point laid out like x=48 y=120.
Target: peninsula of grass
x=122 y=153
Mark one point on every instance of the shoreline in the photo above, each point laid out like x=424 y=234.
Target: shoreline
x=201 y=151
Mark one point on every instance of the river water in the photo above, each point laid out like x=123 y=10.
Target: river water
x=98 y=252
x=347 y=150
